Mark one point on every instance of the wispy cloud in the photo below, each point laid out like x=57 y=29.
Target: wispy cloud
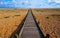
x=1 y=3
x=30 y=3
x=57 y=1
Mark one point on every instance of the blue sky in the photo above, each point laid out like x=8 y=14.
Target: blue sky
x=29 y=3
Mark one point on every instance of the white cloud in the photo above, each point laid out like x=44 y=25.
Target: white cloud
x=57 y=1
x=49 y=0
x=26 y=1
x=1 y=3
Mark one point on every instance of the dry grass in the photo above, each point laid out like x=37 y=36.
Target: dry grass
x=10 y=20
x=49 y=21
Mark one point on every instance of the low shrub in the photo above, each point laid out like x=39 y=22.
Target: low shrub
x=6 y=16
x=55 y=14
x=17 y=15
x=16 y=36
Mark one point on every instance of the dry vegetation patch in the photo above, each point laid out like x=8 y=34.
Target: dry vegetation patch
x=49 y=21
x=10 y=20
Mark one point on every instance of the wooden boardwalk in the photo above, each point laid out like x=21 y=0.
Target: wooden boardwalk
x=29 y=29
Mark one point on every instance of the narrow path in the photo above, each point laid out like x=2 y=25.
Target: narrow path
x=29 y=29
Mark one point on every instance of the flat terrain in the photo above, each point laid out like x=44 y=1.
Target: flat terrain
x=49 y=21
x=10 y=20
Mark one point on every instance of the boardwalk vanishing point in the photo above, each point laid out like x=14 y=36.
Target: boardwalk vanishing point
x=30 y=29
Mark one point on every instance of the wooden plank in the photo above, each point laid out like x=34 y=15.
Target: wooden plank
x=29 y=29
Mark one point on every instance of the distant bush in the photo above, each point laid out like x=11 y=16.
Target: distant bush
x=58 y=20
x=6 y=16
x=52 y=15
x=55 y=14
x=17 y=15
x=16 y=36
x=39 y=10
x=47 y=17
x=47 y=36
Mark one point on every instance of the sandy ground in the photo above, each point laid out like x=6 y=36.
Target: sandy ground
x=49 y=21
x=10 y=20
